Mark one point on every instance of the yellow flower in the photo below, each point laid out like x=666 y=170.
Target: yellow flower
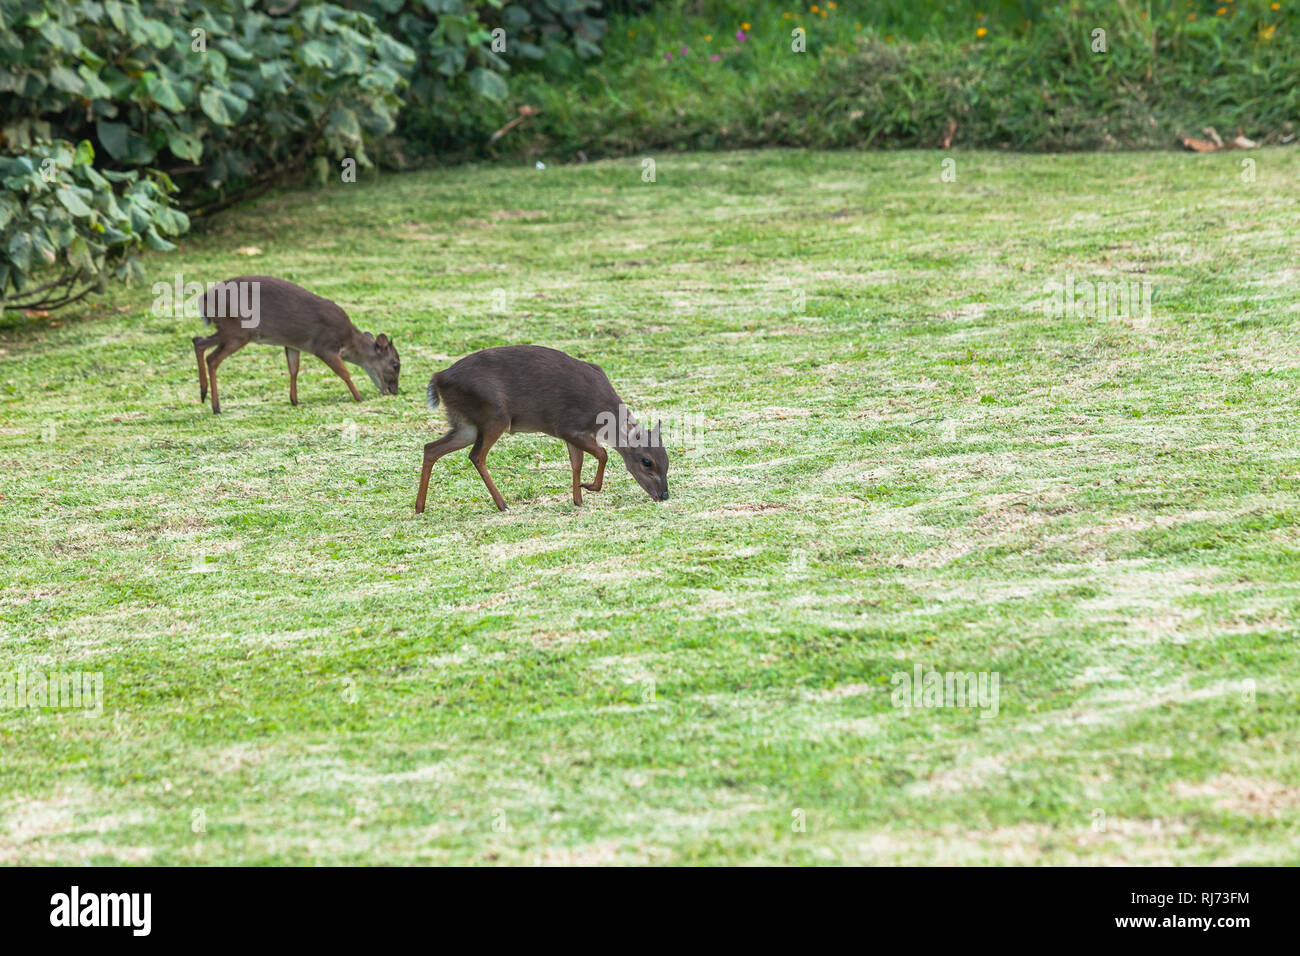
x=981 y=32
x=814 y=8
x=708 y=38
x=822 y=14
x=1266 y=33
x=830 y=6
x=1191 y=16
x=1221 y=11
x=744 y=26
x=785 y=16
x=1275 y=6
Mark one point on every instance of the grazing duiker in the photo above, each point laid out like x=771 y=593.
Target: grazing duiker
x=274 y=311
x=528 y=388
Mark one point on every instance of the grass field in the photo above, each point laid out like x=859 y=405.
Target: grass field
x=922 y=468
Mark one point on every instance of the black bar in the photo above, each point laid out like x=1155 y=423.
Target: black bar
x=300 y=906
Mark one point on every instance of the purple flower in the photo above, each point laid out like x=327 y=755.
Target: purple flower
x=740 y=35
x=714 y=57
x=684 y=51
x=668 y=56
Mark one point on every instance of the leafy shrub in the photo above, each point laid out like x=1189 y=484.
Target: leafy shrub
x=236 y=95
x=226 y=98
x=467 y=51
x=76 y=226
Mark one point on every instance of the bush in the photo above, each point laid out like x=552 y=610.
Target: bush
x=233 y=95
x=228 y=99
x=469 y=48
x=77 y=226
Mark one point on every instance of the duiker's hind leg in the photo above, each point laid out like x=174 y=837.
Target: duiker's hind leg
x=487 y=437
x=201 y=344
x=454 y=440
x=222 y=352
x=291 y=355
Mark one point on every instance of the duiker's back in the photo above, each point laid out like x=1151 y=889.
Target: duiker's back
x=537 y=388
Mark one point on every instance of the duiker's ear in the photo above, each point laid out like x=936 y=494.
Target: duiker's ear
x=382 y=341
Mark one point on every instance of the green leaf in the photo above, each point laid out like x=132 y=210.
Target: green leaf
x=156 y=241
x=161 y=92
x=343 y=124
x=114 y=10
x=489 y=84
x=72 y=202
x=212 y=104
x=233 y=50
x=159 y=34
x=43 y=248
x=315 y=54
x=20 y=251
x=61 y=78
x=122 y=143
x=222 y=106
x=185 y=146
x=95 y=87
x=59 y=37
x=79 y=256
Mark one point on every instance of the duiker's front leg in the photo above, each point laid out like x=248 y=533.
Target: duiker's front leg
x=593 y=448
x=335 y=362
x=575 y=460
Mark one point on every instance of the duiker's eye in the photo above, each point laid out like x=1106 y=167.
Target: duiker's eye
x=647 y=462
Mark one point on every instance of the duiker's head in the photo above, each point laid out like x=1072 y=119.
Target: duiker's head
x=646 y=459
x=379 y=358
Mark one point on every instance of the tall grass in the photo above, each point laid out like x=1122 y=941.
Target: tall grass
x=1013 y=74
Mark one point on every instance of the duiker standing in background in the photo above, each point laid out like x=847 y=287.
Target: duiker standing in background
x=527 y=388
x=274 y=311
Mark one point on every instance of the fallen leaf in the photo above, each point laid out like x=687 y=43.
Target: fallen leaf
x=1241 y=142
x=248 y=251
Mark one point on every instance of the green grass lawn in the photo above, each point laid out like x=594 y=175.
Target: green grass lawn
x=923 y=467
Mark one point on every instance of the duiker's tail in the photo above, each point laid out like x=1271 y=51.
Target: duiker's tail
x=433 y=395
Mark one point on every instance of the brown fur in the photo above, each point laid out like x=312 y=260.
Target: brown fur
x=528 y=388
x=289 y=316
